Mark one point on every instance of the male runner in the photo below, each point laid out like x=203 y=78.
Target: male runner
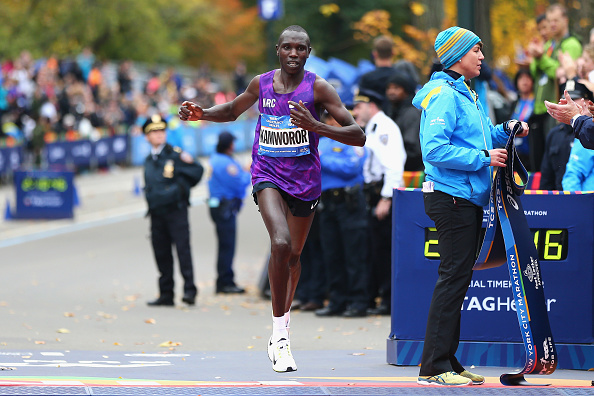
x=286 y=165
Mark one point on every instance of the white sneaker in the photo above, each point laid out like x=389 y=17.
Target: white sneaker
x=280 y=355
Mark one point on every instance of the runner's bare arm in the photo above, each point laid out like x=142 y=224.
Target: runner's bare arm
x=325 y=95
x=229 y=111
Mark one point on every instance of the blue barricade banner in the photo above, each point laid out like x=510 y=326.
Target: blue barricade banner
x=10 y=159
x=88 y=153
x=44 y=194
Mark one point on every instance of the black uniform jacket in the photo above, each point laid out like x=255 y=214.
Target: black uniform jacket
x=168 y=180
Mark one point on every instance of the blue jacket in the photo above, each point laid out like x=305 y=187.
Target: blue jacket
x=584 y=130
x=454 y=131
x=228 y=179
x=579 y=172
x=342 y=165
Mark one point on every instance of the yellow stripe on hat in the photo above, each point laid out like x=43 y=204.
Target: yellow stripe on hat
x=451 y=42
x=434 y=91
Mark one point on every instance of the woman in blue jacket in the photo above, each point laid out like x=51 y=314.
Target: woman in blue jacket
x=579 y=172
x=458 y=144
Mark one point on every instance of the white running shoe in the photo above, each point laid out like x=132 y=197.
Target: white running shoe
x=280 y=355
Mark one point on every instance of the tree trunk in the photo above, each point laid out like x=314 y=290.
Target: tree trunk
x=482 y=27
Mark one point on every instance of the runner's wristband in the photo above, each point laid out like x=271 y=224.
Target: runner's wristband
x=486 y=153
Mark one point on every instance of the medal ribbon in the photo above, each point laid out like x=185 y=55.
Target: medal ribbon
x=508 y=239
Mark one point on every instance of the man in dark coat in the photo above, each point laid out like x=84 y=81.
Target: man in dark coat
x=400 y=91
x=169 y=174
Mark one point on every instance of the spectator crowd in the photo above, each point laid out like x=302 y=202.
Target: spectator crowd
x=43 y=100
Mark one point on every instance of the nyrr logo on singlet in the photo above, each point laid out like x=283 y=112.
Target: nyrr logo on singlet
x=280 y=138
x=268 y=102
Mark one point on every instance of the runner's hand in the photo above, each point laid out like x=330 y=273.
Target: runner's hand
x=189 y=111
x=301 y=116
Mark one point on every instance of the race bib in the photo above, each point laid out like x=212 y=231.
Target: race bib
x=280 y=138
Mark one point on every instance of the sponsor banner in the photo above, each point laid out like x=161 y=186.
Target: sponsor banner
x=44 y=194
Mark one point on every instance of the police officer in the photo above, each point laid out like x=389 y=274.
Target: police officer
x=227 y=186
x=343 y=227
x=169 y=174
x=382 y=172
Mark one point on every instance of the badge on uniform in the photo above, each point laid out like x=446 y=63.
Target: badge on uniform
x=168 y=169
x=384 y=139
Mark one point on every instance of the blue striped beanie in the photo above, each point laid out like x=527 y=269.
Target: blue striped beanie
x=453 y=43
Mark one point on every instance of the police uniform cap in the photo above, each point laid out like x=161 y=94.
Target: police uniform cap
x=365 y=95
x=576 y=90
x=225 y=140
x=154 y=123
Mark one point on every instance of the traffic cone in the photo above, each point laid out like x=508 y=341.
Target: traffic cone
x=7 y=212
x=136 y=191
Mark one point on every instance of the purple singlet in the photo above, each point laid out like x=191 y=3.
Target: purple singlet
x=283 y=153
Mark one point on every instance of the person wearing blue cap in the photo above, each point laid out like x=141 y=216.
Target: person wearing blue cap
x=458 y=145
x=227 y=186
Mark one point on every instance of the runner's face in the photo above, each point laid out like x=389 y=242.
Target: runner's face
x=293 y=50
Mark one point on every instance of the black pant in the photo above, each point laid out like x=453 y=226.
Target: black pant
x=343 y=229
x=458 y=224
x=168 y=229
x=225 y=218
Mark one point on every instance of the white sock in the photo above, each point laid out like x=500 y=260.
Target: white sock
x=287 y=317
x=279 y=329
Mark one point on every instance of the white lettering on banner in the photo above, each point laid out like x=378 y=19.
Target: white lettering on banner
x=101 y=149
x=535 y=213
x=119 y=145
x=477 y=283
x=549 y=302
x=82 y=150
x=491 y=304
x=504 y=284
x=56 y=153
x=42 y=201
x=15 y=160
